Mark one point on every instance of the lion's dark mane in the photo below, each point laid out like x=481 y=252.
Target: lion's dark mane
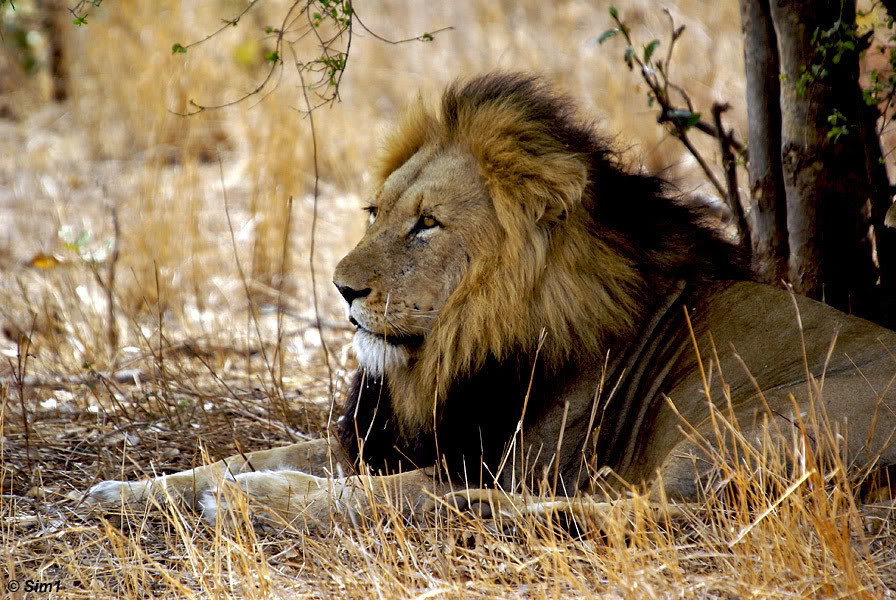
x=668 y=240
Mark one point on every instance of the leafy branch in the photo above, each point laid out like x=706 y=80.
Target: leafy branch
x=80 y=10
x=331 y=22
x=681 y=119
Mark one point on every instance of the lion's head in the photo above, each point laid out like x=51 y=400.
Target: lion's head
x=496 y=217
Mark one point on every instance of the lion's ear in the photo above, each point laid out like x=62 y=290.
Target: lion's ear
x=543 y=188
x=558 y=187
x=523 y=164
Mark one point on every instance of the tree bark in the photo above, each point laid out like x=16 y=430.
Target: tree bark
x=885 y=237
x=828 y=191
x=56 y=24
x=768 y=211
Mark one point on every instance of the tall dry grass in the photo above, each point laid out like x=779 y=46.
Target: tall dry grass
x=215 y=350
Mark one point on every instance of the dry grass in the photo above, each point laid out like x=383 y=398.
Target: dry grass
x=215 y=350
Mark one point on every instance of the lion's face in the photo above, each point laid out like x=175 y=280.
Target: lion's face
x=425 y=221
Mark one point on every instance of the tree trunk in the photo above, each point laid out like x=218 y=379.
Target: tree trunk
x=885 y=237
x=768 y=214
x=826 y=176
x=56 y=24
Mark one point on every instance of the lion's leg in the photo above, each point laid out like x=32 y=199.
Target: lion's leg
x=315 y=457
x=724 y=454
x=307 y=501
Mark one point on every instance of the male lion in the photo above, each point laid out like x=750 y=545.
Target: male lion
x=511 y=269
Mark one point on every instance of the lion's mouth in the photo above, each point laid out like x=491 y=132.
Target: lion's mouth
x=390 y=339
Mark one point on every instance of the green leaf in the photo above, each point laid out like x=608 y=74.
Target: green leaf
x=613 y=12
x=607 y=35
x=272 y=56
x=628 y=57
x=684 y=117
x=80 y=20
x=648 y=50
x=178 y=49
x=426 y=37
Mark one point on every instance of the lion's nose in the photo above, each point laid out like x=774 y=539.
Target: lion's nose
x=350 y=293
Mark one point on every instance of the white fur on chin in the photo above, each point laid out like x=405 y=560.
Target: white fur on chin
x=377 y=355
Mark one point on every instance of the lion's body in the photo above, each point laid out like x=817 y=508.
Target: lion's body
x=520 y=302
x=657 y=387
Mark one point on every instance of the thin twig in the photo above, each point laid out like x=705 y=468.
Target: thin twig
x=320 y=331
x=728 y=161
x=19 y=371
x=423 y=37
x=112 y=327
x=252 y=315
x=707 y=170
x=284 y=257
x=227 y=23
x=161 y=357
x=261 y=86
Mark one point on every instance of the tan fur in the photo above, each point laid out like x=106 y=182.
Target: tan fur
x=404 y=140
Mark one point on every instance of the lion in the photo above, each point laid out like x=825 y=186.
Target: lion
x=528 y=310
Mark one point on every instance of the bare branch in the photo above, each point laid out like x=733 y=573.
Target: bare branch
x=707 y=170
x=423 y=37
x=227 y=23
x=728 y=161
x=679 y=120
x=261 y=86
x=320 y=330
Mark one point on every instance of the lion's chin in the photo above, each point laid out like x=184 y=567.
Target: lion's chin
x=378 y=355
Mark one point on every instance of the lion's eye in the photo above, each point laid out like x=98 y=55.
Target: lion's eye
x=371 y=211
x=423 y=223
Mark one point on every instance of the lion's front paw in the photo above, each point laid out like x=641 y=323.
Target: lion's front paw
x=127 y=492
x=139 y=493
